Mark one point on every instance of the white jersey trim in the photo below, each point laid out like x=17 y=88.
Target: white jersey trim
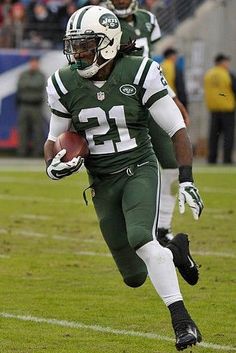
x=140 y=71
x=59 y=82
x=152 y=82
x=51 y=91
x=53 y=98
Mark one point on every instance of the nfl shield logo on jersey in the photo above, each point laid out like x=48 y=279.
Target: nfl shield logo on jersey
x=100 y=96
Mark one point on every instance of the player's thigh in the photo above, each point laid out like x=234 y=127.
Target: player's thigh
x=162 y=145
x=112 y=224
x=141 y=204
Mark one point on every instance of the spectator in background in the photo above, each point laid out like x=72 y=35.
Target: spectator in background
x=30 y=97
x=18 y=22
x=6 y=31
x=219 y=89
x=174 y=75
x=64 y=13
x=94 y=2
x=41 y=26
x=149 y=4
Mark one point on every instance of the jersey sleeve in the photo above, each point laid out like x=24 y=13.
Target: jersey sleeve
x=156 y=32
x=155 y=97
x=57 y=126
x=55 y=90
x=152 y=81
x=167 y=115
x=60 y=118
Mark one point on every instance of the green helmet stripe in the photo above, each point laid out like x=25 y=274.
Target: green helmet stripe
x=72 y=21
x=78 y=25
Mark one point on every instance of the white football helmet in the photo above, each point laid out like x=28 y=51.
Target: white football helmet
x=122 y=13
x=94 y=29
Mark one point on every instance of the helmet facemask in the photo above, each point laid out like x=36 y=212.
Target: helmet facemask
x=75 y=46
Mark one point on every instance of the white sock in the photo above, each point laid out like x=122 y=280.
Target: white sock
x=167 y=198
x=161 y=270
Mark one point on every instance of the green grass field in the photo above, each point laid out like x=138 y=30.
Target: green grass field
x=60 y=290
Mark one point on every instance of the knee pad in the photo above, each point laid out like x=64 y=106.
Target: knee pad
x=136 y=280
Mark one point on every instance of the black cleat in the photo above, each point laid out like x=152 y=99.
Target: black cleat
x=187 y=334
x=164 y=235
x=187 y=267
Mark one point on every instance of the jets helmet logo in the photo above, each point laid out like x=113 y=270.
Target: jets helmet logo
x=109 y=20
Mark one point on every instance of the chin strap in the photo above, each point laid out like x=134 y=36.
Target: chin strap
x=75 y=66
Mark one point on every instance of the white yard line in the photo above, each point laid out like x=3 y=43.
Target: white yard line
x=28 y=233
x=40 y=199
x=214 y=170
x=200 y=253
x=47 y=181
x=215 y=210
x=91 y=253
x=211 y=190
x=109 y=330
x=214 y=254
x=34 y=216
x=65 y=238
x=4 y=257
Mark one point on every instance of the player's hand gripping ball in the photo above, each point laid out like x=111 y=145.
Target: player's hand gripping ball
x=74 y=144
x=70 y=149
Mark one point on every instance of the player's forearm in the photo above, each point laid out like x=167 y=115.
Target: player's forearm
x=48 y=150
x=184 y=155
x=57 y=126
x=183 y=111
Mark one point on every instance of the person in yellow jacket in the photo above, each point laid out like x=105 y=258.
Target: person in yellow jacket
x=219 y=92
x=174 y=75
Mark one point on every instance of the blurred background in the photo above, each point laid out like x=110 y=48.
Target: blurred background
x=198 y=29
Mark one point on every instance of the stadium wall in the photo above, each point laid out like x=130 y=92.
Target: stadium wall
x=12 y=64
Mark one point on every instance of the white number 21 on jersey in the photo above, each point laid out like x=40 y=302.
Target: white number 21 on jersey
x=108 y=146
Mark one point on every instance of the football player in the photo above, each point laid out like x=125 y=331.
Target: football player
x=142 y=26
x=106 y=95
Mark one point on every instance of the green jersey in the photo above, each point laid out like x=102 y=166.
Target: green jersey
x=144 y=29
x=113 y=118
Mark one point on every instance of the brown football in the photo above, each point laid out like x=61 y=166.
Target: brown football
x=75 y=145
